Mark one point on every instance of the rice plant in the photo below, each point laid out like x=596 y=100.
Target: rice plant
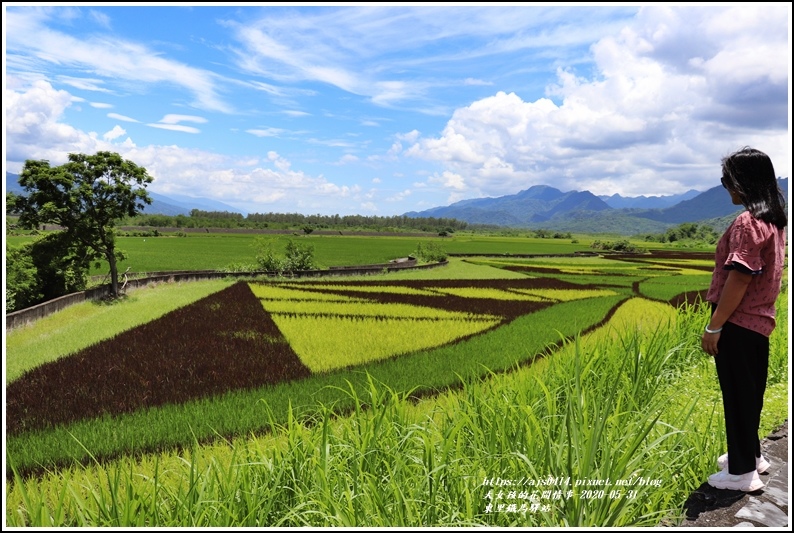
x=600 y=434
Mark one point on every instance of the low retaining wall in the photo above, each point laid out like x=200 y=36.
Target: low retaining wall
x=528 y=256
x=30 y=314
x=402 y=263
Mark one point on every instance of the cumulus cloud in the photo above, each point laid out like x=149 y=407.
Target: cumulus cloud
x=400 y=196
x=34 y=129
x=35 y=116
x=265 y=186
x=451 y=182
x=115 y=133
x=648 y=109
x=346 y=159
x=671 y=95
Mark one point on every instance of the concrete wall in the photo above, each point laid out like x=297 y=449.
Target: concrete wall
x=30 y=314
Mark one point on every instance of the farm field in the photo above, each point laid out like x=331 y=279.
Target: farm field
x=215 y=251
x=238 y=361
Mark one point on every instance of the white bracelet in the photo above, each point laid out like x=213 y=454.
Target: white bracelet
x=713 y=330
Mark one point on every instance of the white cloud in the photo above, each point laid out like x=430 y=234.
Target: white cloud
x=269 y=186
x=267 y=132
x=400 y=196
x=171 y=122
x=100 y=18
x=648 y=109
x=176 y=119
x=409 y=137
x=33 y=129
x=346 y=48
x=473 y=81
x=279 y=162
x=655 y=118
x=451 y=182
x=86 y=84
x=116 y=116
x=115 y=133
x=346 y=159
x=106 y=55
x=174 y=127
x=100 y=105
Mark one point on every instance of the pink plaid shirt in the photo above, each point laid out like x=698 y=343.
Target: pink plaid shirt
x=756 y=246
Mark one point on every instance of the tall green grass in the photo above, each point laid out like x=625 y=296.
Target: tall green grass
x=609 y=405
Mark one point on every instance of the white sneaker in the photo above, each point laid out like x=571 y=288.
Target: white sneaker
x=761 y=464
x=749 y=482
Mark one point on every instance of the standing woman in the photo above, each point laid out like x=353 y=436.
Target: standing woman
x=744 y=287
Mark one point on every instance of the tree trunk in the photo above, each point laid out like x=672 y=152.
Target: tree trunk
x=114 y=274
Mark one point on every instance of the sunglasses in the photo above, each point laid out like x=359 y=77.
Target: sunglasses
x=722 y=180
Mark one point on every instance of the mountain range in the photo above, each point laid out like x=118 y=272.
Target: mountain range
x=542 y=206
x=647 y=202
x=161 y=204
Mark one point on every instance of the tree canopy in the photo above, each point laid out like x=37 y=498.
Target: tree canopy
x=85 y=197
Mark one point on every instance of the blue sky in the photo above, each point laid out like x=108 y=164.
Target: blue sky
x=381 y=109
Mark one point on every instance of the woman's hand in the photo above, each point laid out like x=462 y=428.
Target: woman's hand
x=709 y=343
x=732 y=294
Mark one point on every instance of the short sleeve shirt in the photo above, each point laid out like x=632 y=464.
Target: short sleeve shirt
x=756 y=247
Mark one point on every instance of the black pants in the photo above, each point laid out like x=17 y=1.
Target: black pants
x=742 y=366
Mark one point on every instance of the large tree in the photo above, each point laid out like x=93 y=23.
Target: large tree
x=86 y=197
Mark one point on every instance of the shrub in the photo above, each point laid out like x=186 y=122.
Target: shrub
x=430 y=252
x=240 y=267
x=298 y=256
x=267 y=258
x=43 y=269
x=22 y=287
x=618 y=246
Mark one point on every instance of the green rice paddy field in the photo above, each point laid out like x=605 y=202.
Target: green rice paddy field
x=213 y=251
x=381 y=400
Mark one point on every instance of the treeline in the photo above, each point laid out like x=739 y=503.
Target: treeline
x=690 y=232
x=226 y=219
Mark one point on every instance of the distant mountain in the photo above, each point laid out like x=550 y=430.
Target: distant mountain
x=711 y=204
x=161 y=205
x=12 y=183
x=542 y=206
x=190 y=202
x=647 y=202
x=537 y=204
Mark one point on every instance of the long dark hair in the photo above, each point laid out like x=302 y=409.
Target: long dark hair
x=749 y=173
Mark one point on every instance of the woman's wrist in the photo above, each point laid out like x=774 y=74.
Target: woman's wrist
x=713 y=330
